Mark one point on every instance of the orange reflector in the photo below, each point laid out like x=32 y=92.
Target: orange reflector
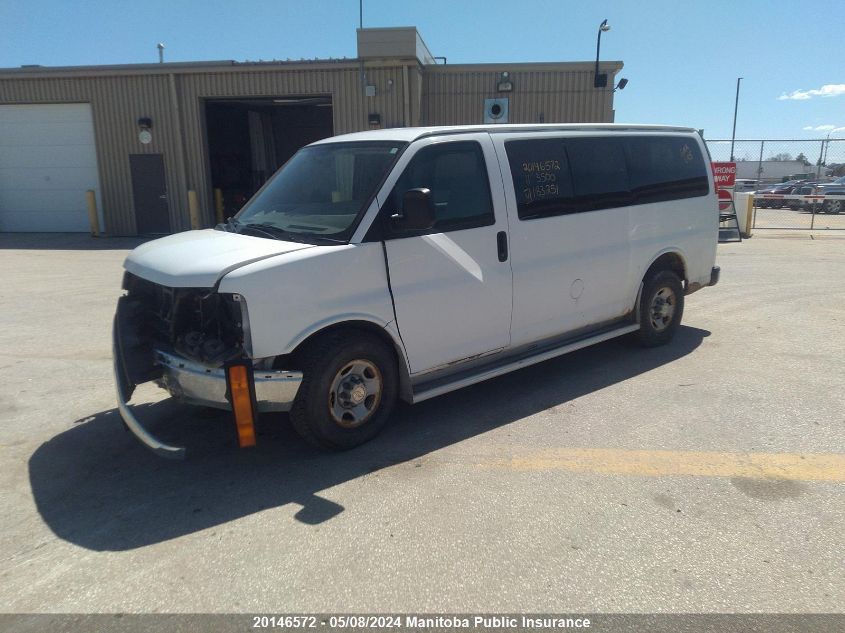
x=242 y=405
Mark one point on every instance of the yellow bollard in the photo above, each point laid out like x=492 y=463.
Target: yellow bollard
x=93 y=218
x=749 y=216
x=194 y=209
x=218 y=205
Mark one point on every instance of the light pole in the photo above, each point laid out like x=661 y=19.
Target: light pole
x=600 y=81
x=736 y=105
x=823 y=155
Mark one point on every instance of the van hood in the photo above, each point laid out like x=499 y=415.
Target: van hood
x=198 y=259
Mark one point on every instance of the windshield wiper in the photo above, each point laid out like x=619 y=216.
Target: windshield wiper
x=277 y=233
x=269 y=230
x=330 y=240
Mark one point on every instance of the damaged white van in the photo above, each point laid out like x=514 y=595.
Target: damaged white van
x=406 y=263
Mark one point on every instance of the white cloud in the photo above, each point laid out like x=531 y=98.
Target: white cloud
x=823 y=128
x=827 y=90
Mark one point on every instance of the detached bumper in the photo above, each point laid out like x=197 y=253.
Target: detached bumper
x=188 y=381
x=125 y=388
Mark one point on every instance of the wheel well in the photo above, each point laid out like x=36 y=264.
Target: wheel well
x=668 y=261
x=290 y=361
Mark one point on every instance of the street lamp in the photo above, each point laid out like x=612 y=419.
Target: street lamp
x=600 y=81
x=736 y=106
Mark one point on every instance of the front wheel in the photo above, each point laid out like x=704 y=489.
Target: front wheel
x=349 y=386
x=833 y=207
x=661 y=308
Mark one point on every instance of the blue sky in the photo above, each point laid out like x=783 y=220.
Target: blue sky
x=682 y=58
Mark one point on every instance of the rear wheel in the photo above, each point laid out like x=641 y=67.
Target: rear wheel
x=833 y=206
x=661 y=308
x=349 y=387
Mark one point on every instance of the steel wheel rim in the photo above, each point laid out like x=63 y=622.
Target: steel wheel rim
x=355 y=393
x=662 y=310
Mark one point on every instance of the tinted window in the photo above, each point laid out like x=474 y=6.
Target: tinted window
x=541 y=178
x=457 y=177
x=571 y=175
x=665 y=168
x=599 y=172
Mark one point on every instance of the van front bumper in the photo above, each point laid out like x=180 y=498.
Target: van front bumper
x=187 y=381
x=194 y=383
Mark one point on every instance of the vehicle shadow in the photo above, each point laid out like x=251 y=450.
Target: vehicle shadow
x=97 y=487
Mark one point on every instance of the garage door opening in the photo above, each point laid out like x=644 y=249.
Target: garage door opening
x=249 y=139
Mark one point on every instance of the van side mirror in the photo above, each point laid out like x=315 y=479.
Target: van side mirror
x=417 y=211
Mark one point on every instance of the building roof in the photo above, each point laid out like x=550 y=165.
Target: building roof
x=229 y=65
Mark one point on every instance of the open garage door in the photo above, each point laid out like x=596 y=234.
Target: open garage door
x=250 y=138
x=47 y=162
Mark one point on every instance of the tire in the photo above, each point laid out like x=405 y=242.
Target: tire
x=834 y=207
x=663 y=294
x=349 y=387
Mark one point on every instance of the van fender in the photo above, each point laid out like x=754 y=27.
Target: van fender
x=674 y=250
x=351 y=318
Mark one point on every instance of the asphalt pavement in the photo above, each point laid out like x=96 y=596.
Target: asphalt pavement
x=706 y=475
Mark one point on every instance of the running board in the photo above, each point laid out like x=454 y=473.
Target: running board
x=503 y=366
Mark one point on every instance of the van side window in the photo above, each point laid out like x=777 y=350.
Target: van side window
x=557 y=176
x=456 y=174
x=599 y=172
x=665 y=168
x=541 y=178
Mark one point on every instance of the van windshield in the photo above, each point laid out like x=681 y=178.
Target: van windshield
x=319 y=193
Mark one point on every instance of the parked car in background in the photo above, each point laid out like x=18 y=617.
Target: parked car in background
x=835 y=188
x=782 y=188
x=806 y=189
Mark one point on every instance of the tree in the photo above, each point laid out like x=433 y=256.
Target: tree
x=803 y=159
x=782 y=156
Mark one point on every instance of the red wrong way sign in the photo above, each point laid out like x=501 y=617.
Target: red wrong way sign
x=724 y=174
x=724 y=199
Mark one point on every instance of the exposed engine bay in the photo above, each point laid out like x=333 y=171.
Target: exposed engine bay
x=197 y=323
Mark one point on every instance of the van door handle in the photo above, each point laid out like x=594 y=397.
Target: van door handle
x=502 y=243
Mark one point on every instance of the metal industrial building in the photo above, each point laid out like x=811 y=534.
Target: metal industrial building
x=147 y=137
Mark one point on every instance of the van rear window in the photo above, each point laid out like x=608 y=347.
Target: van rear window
x=665 y=168
x=557 y=176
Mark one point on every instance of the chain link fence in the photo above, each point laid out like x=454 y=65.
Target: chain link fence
x=793 y=180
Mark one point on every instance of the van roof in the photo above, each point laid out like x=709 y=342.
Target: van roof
x=408 y=134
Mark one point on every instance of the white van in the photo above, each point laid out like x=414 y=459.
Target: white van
x=406 y=263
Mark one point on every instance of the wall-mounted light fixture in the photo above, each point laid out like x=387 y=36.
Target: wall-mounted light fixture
x=144 y=134
x=505 y=84
x=621 y=85
x=374 y=119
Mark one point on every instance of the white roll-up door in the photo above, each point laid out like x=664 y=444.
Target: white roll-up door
x=47 y=162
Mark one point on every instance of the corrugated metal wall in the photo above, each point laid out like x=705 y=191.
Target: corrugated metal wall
x=175 y=98
x=116 y=104
x=454 y=95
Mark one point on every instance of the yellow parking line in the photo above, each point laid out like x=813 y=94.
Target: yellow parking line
x=794 y=466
